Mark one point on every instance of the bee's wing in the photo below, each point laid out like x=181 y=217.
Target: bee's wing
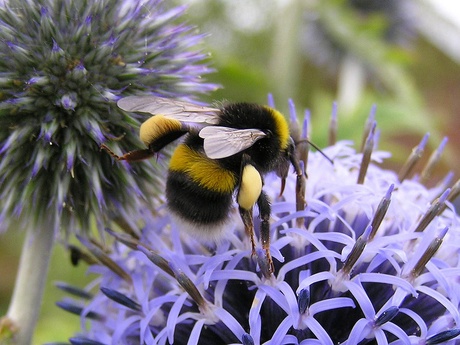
x=221 y=142
x=182 y=111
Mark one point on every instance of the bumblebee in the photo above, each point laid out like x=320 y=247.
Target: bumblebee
x=225 y=152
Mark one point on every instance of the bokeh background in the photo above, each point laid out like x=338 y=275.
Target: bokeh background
x=401 y=55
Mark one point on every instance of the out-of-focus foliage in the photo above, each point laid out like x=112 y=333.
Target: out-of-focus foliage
x=357 y=53
x=265 y=46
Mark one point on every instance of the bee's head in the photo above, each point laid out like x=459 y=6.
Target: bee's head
x=285 y=159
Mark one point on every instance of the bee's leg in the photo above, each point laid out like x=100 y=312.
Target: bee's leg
x=163 y=134
x=282 y=171
x=264 y=214
x=246 y=216
x=292 y=158
x=300 y=192
x=300 y=186
x=250 y=192
x=132 y=156
x=249 y=189
x=300 y=181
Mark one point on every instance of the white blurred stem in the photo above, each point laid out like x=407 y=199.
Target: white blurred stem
x=285 y=59
x=350 y=84
x=30 y=282
x=440 y=23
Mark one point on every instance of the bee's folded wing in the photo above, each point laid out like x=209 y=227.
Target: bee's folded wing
x=179 y=110
x=221 y=142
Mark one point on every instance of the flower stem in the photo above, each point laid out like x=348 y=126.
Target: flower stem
x=30 y=281
x=285 y=59
x=351 y=84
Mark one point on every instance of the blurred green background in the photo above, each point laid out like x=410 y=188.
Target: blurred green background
x=400 y=55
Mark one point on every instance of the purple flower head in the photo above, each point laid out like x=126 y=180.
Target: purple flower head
x=63 y=66
x=372 y=259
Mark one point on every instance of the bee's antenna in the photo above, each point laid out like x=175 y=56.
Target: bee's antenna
x=317 y=149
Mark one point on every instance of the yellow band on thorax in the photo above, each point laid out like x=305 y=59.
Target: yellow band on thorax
x=157 y=126
x=282 y=127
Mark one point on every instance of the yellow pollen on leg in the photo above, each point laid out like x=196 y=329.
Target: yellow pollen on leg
x=250 y=187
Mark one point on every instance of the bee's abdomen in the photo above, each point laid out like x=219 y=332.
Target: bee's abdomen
x=196 y=204
x=203 y=171
x=199 y=189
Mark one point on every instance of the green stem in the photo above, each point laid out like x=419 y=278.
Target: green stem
x=30 y=282
x=285 y=57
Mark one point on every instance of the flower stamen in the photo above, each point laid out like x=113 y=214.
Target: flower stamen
x=413 y=158
x=368 y=126
x=121 y=299
x=303 y=300
x=157 y=260
x=367 y=152
x=247 y=339
x=386 y=316
x=435 y=209
x=443 y=336
x=381 y=211
x=432 y=162
x=105 y=259
x=428 y=254
x=189 y=287
x=356 y=251
x=333 y=126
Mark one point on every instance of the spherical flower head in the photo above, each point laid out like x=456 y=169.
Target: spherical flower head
x=372 y=259
x=63 y=66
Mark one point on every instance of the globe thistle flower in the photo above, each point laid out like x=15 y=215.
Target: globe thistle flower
x=372 y=259
x=63 y=66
